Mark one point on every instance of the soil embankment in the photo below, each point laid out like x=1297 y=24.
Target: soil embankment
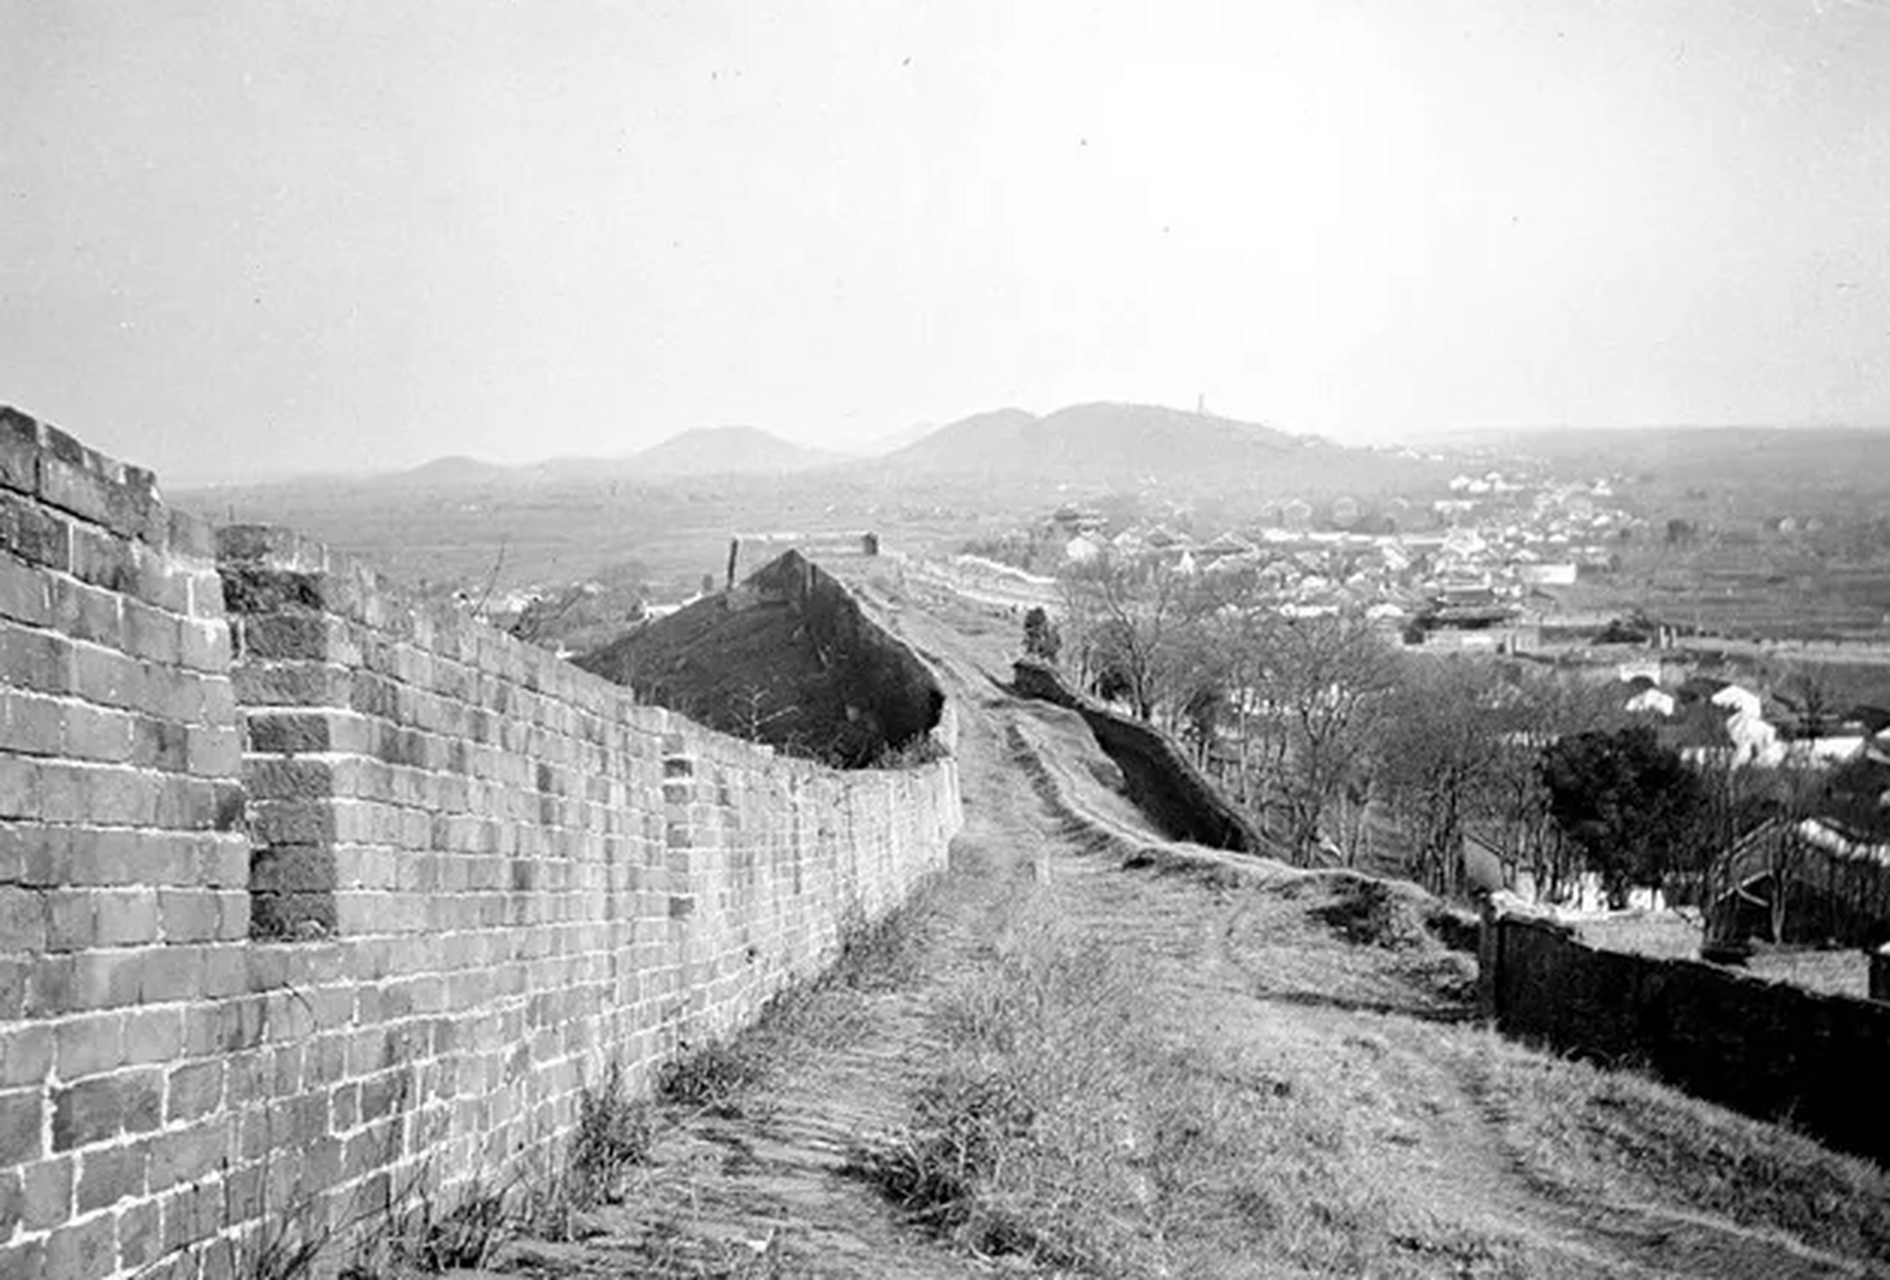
x=786 y=657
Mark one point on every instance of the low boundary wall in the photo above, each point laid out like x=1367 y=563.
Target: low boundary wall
x=312 y=898
x=1769 y=1049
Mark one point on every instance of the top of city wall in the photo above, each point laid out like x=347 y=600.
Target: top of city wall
x=275 y=569
x=1159 y=776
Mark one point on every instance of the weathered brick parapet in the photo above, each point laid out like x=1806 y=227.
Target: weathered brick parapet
x=124 y=904
x=311 y=896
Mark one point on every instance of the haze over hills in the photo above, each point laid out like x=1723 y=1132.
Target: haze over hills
x=702 y=451
x=1759 y=447
x=724 y=451
x=1093 y=441
x=1119 y=445
x=455 y=469
x=893 y=441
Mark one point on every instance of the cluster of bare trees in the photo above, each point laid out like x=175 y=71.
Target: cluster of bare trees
x=1347 y=747
x=1342 y=744
x=1776 y=878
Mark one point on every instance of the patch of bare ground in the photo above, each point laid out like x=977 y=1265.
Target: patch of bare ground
x=1097 y=1053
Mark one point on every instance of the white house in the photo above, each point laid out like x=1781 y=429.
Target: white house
x=1658 y=701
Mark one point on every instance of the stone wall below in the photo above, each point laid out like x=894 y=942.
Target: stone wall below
x=1768 y=1049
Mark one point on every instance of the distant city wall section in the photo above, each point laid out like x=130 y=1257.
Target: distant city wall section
x=1771 y=1050
x=986 y=582
x=313 y=897
x=1156 y=775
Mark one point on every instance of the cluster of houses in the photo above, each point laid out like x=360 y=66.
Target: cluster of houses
x=1485 y=564
x=1821 y=875
x=1714 y=721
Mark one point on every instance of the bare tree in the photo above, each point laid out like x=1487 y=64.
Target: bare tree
x=1128 y=618
x=1537 y=708
x=1812 y=690
x=1233 y=621
x=1439 y=760
x=1796 y=794
x=749 y=714
x=1322 y=690
x=1750 y=833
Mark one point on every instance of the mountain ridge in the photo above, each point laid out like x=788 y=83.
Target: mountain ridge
x=725 y=451
x=1100 y=442
x=1095 y=440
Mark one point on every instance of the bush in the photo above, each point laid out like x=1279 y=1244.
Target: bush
x=912 y=753
x=1041 y=639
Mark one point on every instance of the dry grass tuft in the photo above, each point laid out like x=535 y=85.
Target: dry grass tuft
x=712 y=1077
x=613 y=1136
x=421 y=1237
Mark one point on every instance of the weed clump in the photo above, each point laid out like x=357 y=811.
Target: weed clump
x=1371 y=913
x=415 y=1237
x=710 y=1077
x=914 y=752
x=963 y=1123
x=614 y=1132
x=824 y=1012
x=463 y=1239
x=272 y=1257
x=880 y=955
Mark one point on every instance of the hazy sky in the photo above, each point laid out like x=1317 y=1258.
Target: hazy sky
x=263 y=235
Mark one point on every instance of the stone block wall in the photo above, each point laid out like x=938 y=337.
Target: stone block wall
x=1766 y=1048
x=312 y=898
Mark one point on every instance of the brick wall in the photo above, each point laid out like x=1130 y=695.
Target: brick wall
x=311 y=898
x=1768 y=1049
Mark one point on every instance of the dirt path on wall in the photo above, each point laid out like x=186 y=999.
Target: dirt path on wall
x=1244 y=964
x=768 y=1192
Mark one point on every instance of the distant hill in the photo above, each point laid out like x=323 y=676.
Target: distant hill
x=893 y=441
x=1109 y=445
x=726 y=451
x=1113 y=442
x=455 y=469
